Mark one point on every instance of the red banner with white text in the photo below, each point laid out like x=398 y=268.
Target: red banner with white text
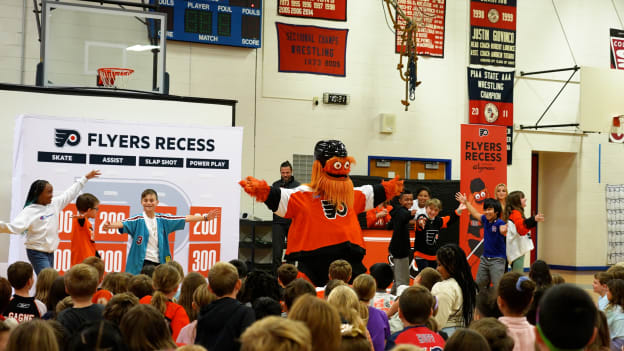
x=322 y=9
x=429 y=16
x=483 y=166
x=312 y=49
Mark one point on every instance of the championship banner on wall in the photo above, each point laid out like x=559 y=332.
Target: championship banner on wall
x=617 y=48
x=194 y=169
x=321 y=9
x=311 y=49
x=430 y=16
x=490 y=95
x=493 y=33
x=483 y=166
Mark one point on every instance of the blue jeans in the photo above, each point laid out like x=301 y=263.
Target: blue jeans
x=40 y=259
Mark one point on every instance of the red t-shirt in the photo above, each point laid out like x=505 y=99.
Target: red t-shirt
x=371 y=217
x=176 y=314
x=81 y=244
x=420 y=336
x=102 y=297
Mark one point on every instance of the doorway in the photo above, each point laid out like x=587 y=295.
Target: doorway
x=409 y=168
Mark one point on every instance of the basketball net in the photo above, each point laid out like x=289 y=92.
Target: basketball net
x=112 y=77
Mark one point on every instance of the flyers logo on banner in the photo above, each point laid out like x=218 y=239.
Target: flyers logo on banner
x=483 y=166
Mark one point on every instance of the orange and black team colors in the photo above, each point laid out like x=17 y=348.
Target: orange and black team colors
x=324 y=213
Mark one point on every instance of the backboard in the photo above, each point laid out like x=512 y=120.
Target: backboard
x=78 y=39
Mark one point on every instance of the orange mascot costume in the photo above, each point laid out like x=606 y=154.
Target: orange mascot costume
x=324 y=213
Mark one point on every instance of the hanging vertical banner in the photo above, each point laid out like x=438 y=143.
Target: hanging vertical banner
x=322 y=9
x=493 y=32
x=509 y=143
x=617 y=48
x=311 y=49
x=483 y=166
x=429 y=16
x=490 y=95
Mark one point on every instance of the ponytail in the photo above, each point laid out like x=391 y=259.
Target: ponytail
x=159 y=300
x=166 y=279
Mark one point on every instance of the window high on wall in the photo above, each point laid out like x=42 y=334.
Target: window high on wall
x=302 y=167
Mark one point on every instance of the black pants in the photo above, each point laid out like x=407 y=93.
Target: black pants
x=317 y=267
x=279 y=234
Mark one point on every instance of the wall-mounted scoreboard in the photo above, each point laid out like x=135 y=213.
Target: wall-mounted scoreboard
x=222 y=22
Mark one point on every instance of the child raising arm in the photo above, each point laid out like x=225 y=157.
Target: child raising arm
x=39 y=219
x=494 y=259
x=150 y=232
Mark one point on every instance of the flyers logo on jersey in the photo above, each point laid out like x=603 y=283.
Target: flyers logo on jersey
x=331 y=211
x=66 y=136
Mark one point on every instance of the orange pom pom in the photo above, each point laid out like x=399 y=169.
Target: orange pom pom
x=392 y=187
x=256 y=188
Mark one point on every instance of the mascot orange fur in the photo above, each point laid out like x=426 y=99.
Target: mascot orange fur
x=324 y=213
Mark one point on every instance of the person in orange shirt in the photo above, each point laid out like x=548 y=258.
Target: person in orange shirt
x=166 y=280
x=82 y=244
x=379 y=216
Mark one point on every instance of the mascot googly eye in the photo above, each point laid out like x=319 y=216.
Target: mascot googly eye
x=478 y=190
x=337 y=165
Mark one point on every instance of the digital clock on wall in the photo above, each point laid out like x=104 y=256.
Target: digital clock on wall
x=223 y=22
x=338 y=99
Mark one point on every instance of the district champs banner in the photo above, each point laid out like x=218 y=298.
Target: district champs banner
x=312 y=49
x=483 y=166
x=493 y=33
x=194 y=169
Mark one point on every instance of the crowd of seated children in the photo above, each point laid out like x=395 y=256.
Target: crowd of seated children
x=234 y=315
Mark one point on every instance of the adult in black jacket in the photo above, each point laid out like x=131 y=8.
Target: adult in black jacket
x=281 y=225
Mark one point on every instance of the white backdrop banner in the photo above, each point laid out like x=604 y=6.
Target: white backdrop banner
x=193 y=168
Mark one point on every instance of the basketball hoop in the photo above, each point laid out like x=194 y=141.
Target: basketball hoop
x=112 y=77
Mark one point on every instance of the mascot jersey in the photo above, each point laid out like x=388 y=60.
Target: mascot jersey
x=319 y=225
